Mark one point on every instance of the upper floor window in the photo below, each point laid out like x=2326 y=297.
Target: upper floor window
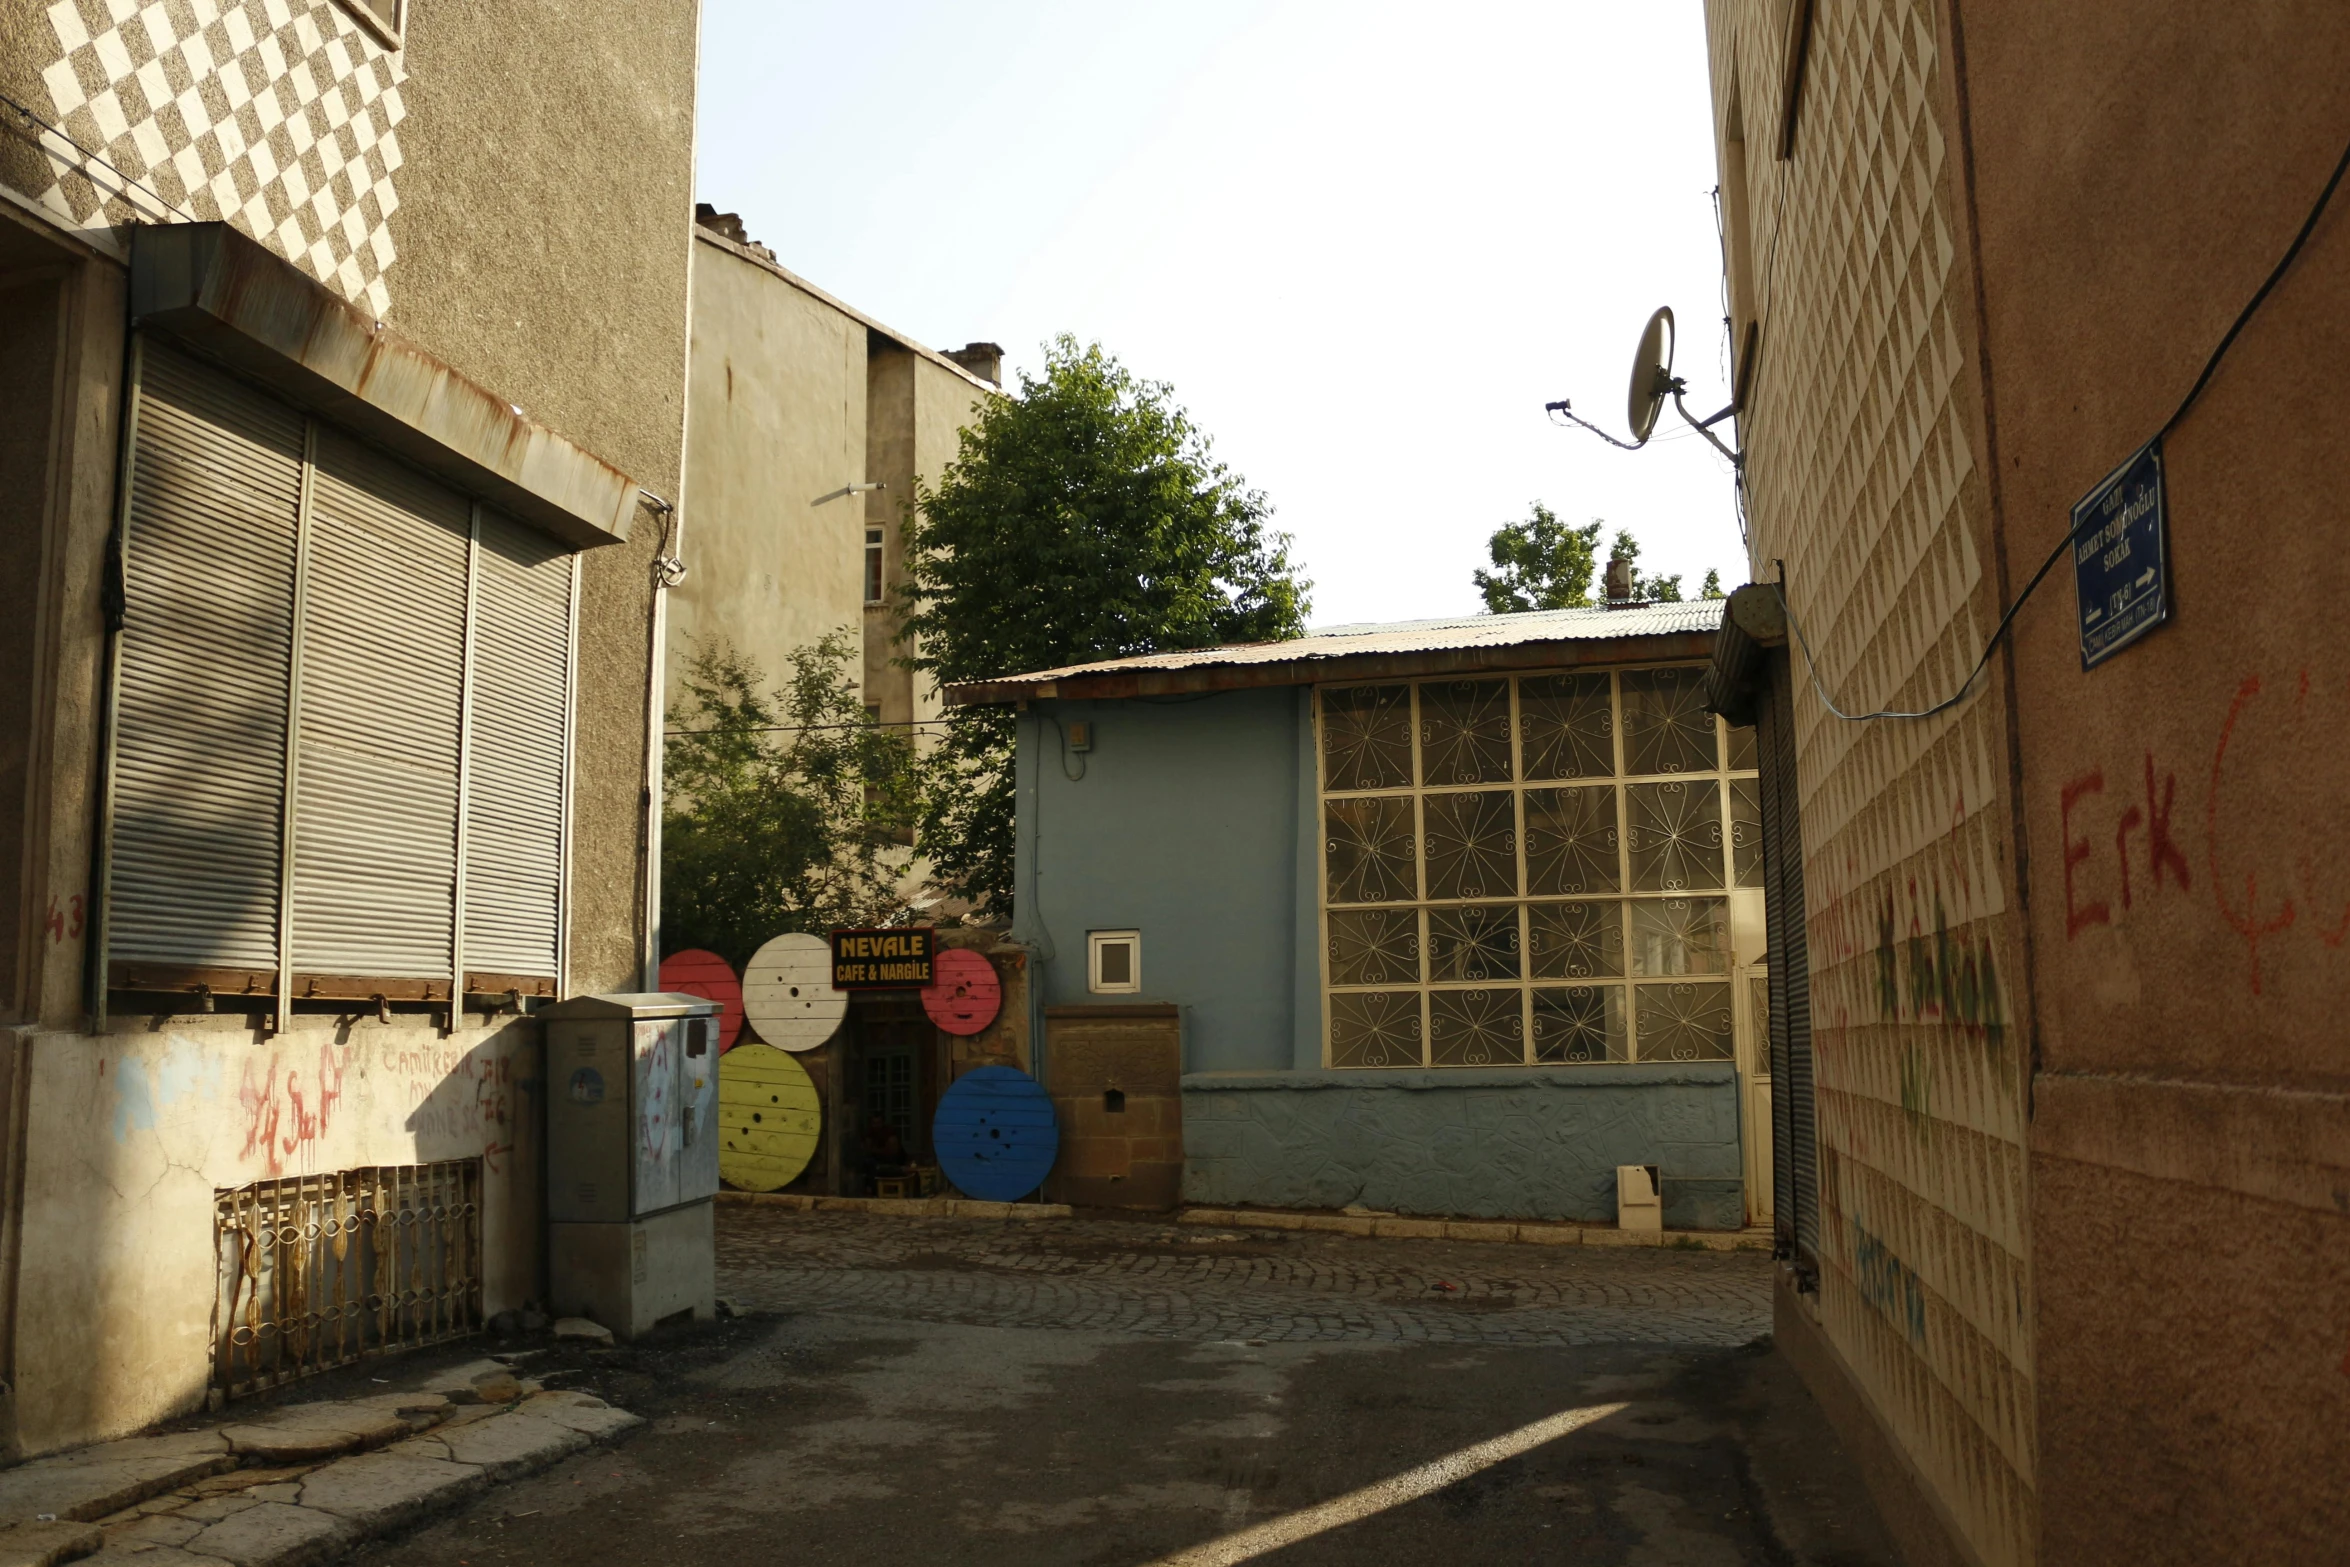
x=1533 y=870
x=873 y=547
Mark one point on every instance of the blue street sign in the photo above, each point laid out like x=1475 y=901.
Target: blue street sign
x=2118 y=542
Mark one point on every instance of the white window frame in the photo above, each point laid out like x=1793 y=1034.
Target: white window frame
x=1095 y=941
x=1744 y=902
x=876 y=564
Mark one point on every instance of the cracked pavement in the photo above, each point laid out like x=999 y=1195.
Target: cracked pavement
x=1112 y=1391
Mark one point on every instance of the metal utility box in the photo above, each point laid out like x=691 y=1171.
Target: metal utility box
x=1640 y=1198
x=632 y=1157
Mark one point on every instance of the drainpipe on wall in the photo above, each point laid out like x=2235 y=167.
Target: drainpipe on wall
x=668 y=572
x=1028 y=926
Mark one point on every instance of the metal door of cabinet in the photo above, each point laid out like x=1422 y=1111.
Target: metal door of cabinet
x=697 y=1103
x=658 y=1043
x=588 y=1121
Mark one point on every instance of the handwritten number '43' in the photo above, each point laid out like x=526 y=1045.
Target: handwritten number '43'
x=65 y=924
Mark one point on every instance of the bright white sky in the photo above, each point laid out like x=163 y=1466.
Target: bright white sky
x=1365 y=242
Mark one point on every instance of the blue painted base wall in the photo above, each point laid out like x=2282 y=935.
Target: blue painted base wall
x=1477 y=1144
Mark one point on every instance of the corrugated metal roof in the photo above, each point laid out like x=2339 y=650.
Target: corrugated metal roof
x=1452 y=634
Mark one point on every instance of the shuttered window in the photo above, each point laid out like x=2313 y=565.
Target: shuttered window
x=380 y=709
x=513 y=841
x=1794 y=1132
x=198 y=776
x=325 y=646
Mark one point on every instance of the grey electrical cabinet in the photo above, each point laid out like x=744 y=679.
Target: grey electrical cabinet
x=632 y=1157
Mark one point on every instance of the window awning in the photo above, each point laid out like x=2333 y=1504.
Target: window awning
x=1755 y=619
x=223 y=294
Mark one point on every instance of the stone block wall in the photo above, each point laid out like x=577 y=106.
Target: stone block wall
x=1501 y=1144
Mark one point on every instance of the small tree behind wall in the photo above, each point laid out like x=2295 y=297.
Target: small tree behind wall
x=785 y=808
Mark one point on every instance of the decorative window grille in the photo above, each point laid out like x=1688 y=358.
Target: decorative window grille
x=1534 y=870
x=316 y=1271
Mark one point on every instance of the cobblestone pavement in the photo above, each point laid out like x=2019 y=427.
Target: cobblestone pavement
x=1110 y=1393
x=1164 y=1281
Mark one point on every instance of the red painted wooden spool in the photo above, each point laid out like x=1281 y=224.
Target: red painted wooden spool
x=966 y=995
x=694 y=972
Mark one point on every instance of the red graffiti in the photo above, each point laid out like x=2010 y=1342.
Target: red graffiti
x=2079 y=916
x=275 y=1104
x=2248 y=923
x=2121 y=848
x=2162 y=851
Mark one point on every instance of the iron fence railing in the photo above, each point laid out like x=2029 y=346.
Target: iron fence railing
x=316 y=1271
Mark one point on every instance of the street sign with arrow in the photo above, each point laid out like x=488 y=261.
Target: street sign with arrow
x=2118 y=557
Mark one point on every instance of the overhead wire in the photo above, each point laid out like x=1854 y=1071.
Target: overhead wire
x=2064 y=545
x=127 y=184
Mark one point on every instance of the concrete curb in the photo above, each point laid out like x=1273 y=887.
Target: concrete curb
x=1492 y=1230
x=1384 y=1226
x=211 y=1499
x=903 y=1207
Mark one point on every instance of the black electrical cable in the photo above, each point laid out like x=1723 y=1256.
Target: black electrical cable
x=2063 y=545
x=127 y=183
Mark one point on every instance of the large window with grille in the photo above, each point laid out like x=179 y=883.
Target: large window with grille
x=1544 y=869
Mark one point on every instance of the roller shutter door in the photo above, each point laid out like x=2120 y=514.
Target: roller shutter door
x=1796 y=1215
x=382 y=682
x=517 y=760
x=198 y=777
x=316 y=634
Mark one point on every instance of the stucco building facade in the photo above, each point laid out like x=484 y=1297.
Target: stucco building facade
x=2074 y=1261
x=811 y=426
x=338 y=463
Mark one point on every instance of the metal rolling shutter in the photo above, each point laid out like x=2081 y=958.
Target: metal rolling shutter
x=198 y=774
x=1794 y=1131
x=515 y=764
x=381 y=702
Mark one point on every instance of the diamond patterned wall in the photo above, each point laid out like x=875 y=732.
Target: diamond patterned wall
x=278 y=116
x=1865 y=482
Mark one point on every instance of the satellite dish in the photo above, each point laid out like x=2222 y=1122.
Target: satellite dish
x=1652 y=375
x=788 y=994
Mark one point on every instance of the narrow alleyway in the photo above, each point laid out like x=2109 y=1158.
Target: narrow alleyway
x=1119 y=1392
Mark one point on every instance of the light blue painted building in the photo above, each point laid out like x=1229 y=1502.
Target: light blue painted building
x=1459 y=915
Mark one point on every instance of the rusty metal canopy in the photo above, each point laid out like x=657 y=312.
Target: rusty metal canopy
x=1373 y=651
x=219 y=292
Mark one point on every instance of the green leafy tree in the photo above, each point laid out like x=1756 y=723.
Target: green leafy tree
x=1085 y=517
x=784 y=809
x=1713 y=585
x=1540 y=563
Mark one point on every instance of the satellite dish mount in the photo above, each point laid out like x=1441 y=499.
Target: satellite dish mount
x=1652 y=382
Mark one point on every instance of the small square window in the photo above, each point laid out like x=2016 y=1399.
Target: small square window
x=1113 y=962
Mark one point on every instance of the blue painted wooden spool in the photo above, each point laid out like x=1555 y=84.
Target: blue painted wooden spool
x=994 y=1134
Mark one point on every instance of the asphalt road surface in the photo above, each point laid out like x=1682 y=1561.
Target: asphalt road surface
x=1129 y=1393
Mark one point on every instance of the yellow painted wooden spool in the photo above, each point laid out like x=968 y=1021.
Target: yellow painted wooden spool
x=768 y=1116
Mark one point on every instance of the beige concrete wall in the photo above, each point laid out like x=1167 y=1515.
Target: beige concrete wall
x=136 y=1130
x=511 y=192
x=773 y=548
x=2190 y=861
x=566 y=289
x=1868 y=478
x=796 y=396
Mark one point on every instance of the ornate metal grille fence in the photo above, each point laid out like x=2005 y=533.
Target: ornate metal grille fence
x=316 y=1271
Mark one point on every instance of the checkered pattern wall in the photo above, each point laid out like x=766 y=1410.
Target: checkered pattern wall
x=1865 y=481
x=279 y=116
